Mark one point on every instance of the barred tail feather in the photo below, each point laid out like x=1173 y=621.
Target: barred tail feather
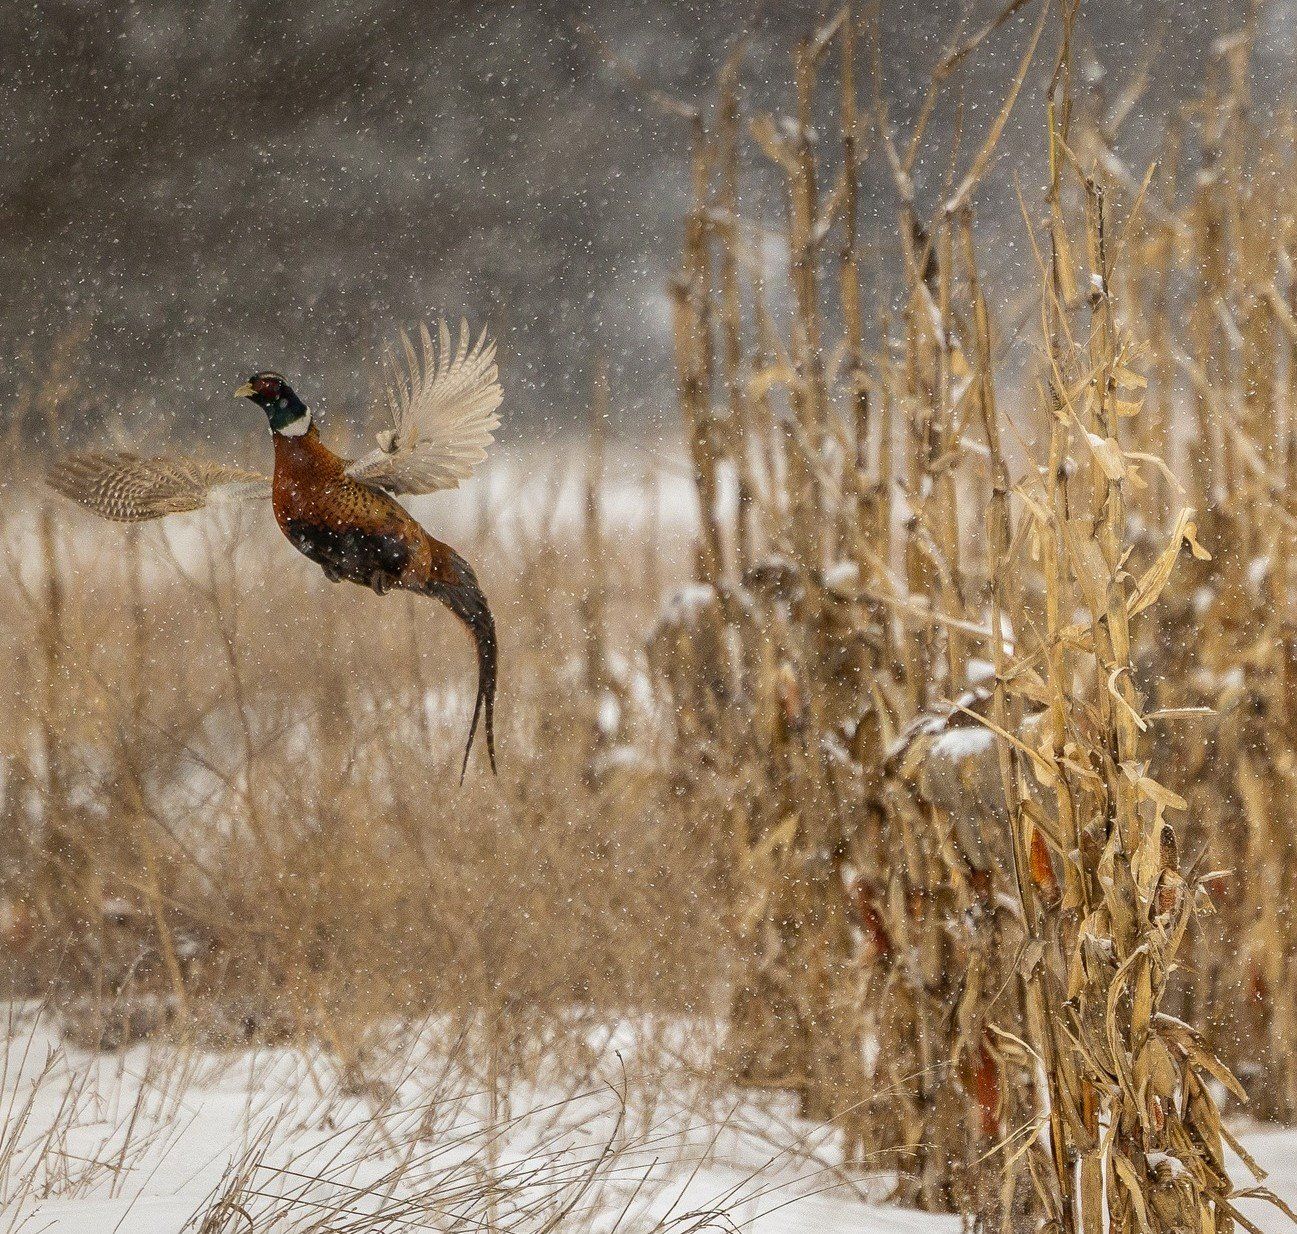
x=464 y=598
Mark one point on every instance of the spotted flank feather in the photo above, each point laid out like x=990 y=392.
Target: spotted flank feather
x=129 y=488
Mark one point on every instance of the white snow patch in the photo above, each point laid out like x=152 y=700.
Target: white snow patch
x=956 y=744
x=609 y=716
x=149 y=1134
x=689 y=602
x=842 y=576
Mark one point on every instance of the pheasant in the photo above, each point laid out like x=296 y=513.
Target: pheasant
x=341 y=513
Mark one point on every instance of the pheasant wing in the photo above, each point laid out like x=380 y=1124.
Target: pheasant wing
x=128 y=488
x=443 y=406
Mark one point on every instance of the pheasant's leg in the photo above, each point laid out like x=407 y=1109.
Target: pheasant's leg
x=381 y=582
x=332 y=575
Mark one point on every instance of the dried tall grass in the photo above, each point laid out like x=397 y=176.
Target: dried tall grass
x=224 y=786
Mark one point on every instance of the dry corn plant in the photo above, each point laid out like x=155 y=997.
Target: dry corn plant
x=810 y=645
x=1214 y=251
x=956 y=858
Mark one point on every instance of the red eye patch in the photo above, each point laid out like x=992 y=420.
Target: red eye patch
x=267 y=387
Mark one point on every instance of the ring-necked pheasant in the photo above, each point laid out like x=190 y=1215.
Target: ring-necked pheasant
x=341 y=513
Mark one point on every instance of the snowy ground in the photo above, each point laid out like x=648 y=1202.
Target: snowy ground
x=154 y=1141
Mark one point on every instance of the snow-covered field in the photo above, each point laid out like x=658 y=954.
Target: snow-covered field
x=155 y=1140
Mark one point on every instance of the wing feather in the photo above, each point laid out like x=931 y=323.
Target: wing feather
x=443 y=407
x=129 y=488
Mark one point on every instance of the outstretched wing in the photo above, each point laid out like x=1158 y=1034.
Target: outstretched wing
x=443 y=413
x=130 y=489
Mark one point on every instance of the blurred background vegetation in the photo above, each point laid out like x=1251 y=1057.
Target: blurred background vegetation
x=202 y=191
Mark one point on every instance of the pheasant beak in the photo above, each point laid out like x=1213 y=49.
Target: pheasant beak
x=246 y=390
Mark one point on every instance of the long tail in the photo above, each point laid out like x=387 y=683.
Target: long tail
x=463 y=596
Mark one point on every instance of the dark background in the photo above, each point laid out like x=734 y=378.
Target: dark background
x=190 y=192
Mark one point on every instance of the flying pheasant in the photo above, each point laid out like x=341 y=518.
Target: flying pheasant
x=338 y=512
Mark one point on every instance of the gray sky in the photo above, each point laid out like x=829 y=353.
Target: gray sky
x=212 y=189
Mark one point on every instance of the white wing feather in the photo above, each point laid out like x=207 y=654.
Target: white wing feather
x=443 y=407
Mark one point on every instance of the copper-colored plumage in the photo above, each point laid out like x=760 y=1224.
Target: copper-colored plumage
x=311 y=485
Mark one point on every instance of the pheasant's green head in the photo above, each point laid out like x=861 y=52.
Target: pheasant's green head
x=285 y=411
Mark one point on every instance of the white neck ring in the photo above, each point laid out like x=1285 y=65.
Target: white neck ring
x=295 y=428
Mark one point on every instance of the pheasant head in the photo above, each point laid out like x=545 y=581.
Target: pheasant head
x=285 y=411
